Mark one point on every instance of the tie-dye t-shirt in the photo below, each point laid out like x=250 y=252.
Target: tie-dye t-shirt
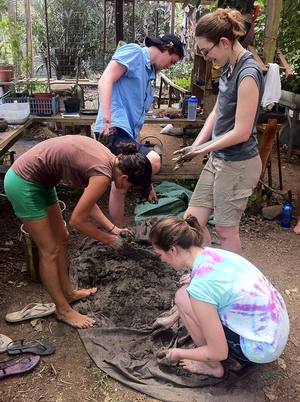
x=246 y=302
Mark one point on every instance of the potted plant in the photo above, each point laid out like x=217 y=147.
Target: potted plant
x=72 y=104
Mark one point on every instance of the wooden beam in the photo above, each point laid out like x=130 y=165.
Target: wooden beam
x=283 y=63
x=271 y=30
x=258 y=59
x=173 y=17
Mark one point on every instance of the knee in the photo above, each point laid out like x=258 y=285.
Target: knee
x=222 y=232
x=155 y=161
x=181 y=297
x=227 y=233
x=50 y=254
x=64 y=238
x=117 y=192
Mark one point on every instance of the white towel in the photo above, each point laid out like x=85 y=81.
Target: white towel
x=272 y=91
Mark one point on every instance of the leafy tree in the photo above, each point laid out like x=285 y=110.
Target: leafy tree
x=288 y=39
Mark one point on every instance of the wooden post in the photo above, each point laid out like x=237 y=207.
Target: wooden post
x=173 y=16
x=271 y=29
x=29 y=48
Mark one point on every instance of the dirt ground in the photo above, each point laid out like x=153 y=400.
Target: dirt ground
x=69 y=374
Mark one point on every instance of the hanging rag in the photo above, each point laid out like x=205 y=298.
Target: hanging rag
x=272 y=91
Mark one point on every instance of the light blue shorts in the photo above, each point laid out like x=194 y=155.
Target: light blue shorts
x=29 y=200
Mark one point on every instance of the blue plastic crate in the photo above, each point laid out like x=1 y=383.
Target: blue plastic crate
x=11 y=99
x=44 y=106
x=38 y=106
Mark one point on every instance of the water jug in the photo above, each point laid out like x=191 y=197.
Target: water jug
x=286 y=216
x=192 y=108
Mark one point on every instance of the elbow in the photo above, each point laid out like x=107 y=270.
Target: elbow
x=223 y=356
x=75 y=223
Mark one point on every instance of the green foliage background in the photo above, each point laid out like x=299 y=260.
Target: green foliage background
x=76 y=29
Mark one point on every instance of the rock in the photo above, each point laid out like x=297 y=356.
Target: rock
x=3 y=125
x=272 y=213
x=88 y=363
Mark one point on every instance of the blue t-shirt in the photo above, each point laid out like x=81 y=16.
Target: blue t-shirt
x=245 y=300
x=132 y=94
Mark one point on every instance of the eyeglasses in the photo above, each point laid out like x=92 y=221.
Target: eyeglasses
x=207 y=51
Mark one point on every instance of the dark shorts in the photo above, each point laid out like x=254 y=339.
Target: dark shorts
x=122 y=136
x=234 y=346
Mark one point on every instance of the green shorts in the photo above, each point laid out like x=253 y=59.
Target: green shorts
x=29 y=200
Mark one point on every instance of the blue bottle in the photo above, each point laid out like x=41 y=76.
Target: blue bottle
x=286 y=216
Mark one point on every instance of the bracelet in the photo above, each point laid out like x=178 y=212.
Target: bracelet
x=112 y=229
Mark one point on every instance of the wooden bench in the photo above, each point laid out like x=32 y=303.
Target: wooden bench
x=175 y=92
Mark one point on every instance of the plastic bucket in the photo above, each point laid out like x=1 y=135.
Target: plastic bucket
x=31 y=249
x=31 y=255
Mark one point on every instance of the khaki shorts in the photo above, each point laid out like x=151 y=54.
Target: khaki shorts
x=224 y=186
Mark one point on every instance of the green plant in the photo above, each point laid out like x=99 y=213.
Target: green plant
x=71 y=92
x=114 y=398
x=5 y=158
x=254 y=199
x=102 y=378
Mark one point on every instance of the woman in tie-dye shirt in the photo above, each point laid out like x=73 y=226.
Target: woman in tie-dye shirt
x=228 y=306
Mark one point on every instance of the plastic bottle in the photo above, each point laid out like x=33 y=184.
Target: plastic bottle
x=185 y=106
x=192 y=108
x=286 y=216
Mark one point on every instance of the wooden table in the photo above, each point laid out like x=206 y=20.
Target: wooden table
x=8 y=138
x=185 y=124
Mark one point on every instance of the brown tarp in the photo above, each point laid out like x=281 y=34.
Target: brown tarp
x=129 y=291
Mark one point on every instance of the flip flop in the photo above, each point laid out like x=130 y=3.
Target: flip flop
x=4 y=341
x=33 y=310
x=18 y=365
x=30 y=346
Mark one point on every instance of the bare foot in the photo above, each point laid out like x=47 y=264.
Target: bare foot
x=297 y=228
x=165 y=357
x=233 y=364
x=193 y=366
x=80 y=294
x=74 y=319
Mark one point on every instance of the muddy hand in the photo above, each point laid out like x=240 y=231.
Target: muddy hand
x=126 y=234
x=185 y=279
x=120 y=244
x=165 y=357
x=184 y=156
x=164 y=323
x=106 y=137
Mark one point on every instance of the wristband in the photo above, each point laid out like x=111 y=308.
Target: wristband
x=112 y=229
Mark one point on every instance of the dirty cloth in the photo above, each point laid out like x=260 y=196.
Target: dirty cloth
x=134 y=290
x=272 y=91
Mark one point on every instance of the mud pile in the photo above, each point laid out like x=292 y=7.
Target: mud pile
x=133 y=289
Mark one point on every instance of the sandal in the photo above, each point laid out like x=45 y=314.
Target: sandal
x=4 y=341
x=33 y=310
x=30 y=346
x=18 y=365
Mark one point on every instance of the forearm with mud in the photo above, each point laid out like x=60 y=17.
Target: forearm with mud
x=206 y=131
x=88 y=229
x=105 y=93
